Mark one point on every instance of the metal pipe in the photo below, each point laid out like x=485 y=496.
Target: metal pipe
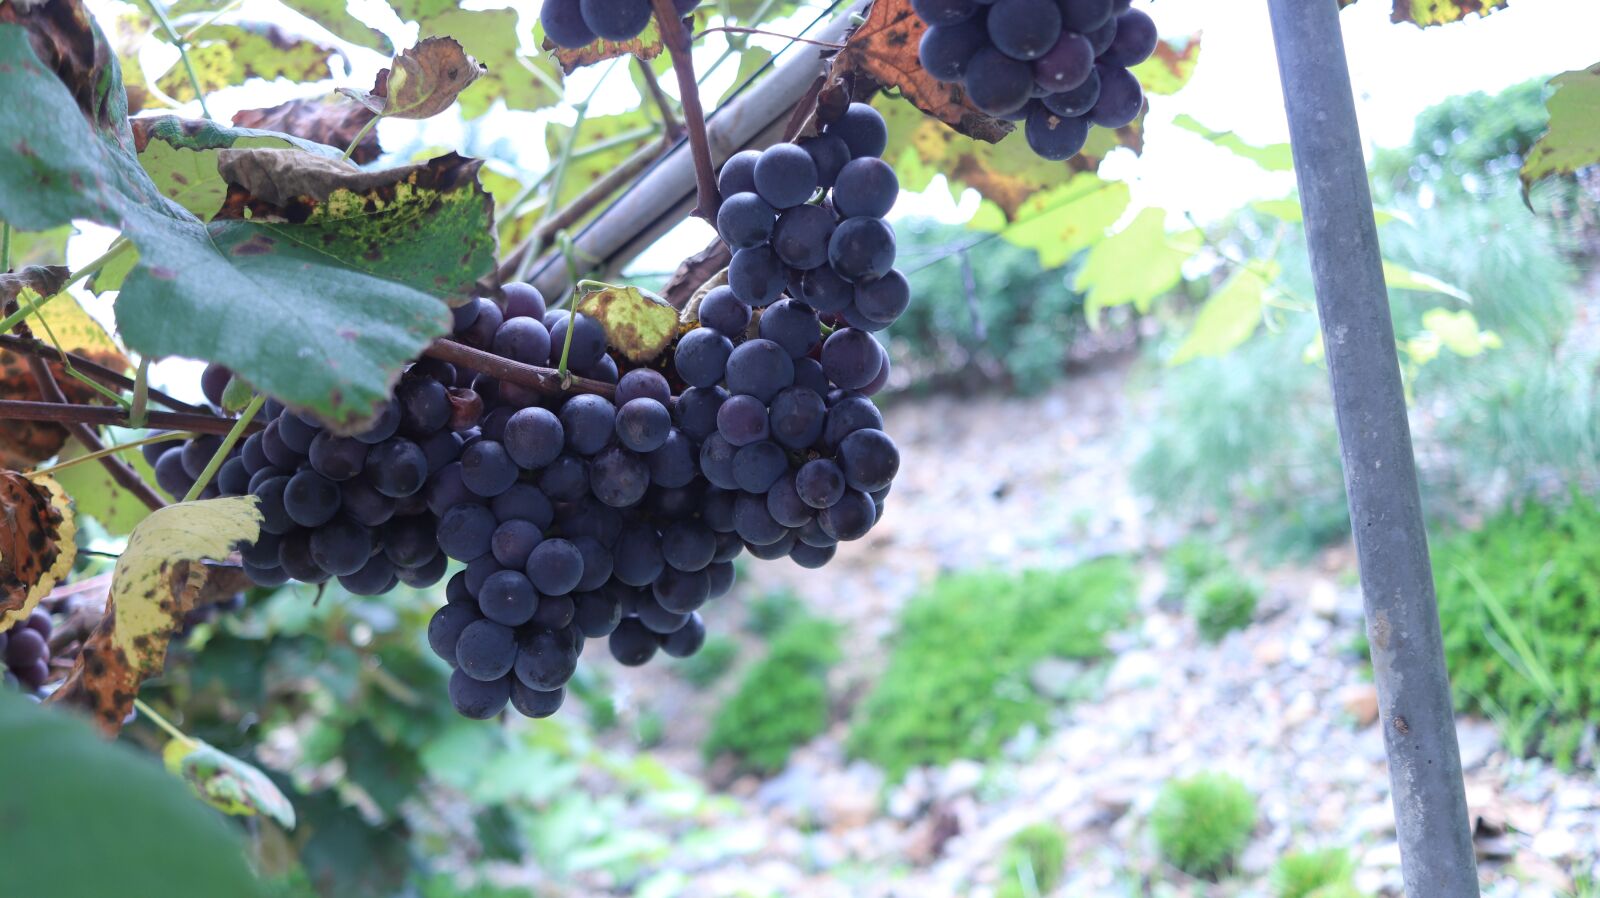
x=1430 y=803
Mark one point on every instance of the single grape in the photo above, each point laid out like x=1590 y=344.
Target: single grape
x=615 y=20
x=1084 y=16
x=686 y=640
x=688 y=545
x=478 y=699
x=702 y=357
x=696 y=410
x=866 y=187
x=507 y=597
x=723 y=311
x=278 y=452
x=310 y=499
x=588 y=344
x=819 y=483
x=523 y=300
x=759 y=368
x=643 y=383
x=884 y=300
x=848 y=415
x=775 y=550
x=800 y=238
x=756 y=275
x=596 y=614
x=465 y=532
x=233 y=478
x=721 y=572
x=396 y=467
x=824 y=290
x=1100 y=38
x=423 y=575
x=588 y=422
x=742 y=420
x=642 y=424
x=1024 y=29
x=373 y=579
x=829 y=153
x=738 y=174
x=862 y=249
x=523 y=502
x=269 y=501
x=513 y=541
x=785 y=175
x=945 y=12
x=619 y=477
x=555 y=566
x=424 y=405
x=564 y=25
x=566 y=479
x=597 y=560
x=1134 y=41
x=716 y=461
x=658 y=619
x=545 y=660
x=533 y=437
x=869 y=459
x=411 y=541
x=811 y=557
x=486 y=650
x=638 y=560
x=784 y=503
x=792 y=325
x=850 y=358
x=681 y=592
x=534 y=703
x=342 y=546
x=745 y=220
x=1053 y=137
x=849 y=518
x=632 y=644
x=862 y=129
x=753 y=522
x=1077 y=101
x=797 y=417
x=996 y=83
x=812 y=534
x=523 y=340
x=1067 y=65
x=757 y=466
x=214 y=382
x=1121 y=98
x=946 y=50
x=487 y=469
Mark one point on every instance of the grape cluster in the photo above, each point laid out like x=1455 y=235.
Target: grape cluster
x=1059 y=66
x=25 y=649
x=579 y=23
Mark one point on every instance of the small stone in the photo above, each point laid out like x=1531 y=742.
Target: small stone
x=1555 y=844
x=1478 y=740
x=1133 y=670
x=1383 y=857
x=959 y=778
x=1301 y=709
x=1323 y=599
x=1270 y=652
x=1360 y=701
x=1058 y=678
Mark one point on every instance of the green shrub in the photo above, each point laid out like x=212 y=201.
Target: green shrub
x=782 y=701
x=770 y=612
x=1191 y=561
x=1517 y=602
x=957 y=683
x=1202 y=824
x=1222 y=603
x=1307 y=873
x=710 y=663
x=1036 y=855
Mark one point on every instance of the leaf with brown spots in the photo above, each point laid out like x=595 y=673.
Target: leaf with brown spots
x=646 y=46
x=227 y=55
x=157 y=580
x=1424 y=13
x=326 y=120
x=422 y=81
x=38 y=542
x=225 y=782
x=638 y=323
x=884 y=48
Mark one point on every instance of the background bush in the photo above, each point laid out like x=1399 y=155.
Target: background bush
x=1037 y=854
x=1202 y=824
x=782 y=701
x=1222 y=603
x=957 y=683
x=1189 y=561
x=1303 y=874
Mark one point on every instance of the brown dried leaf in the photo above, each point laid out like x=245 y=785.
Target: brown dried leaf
x=44 y=280
x=422 y=81
x=647 y=46
x=325 y=120
x=37 y=542
x=638 y=323
x=884 y=48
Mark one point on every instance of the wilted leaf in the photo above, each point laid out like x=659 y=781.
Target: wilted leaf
x=1273 y=157
x=227 y=783
x=638 y=323
x=40 y=280
x=1573 y=140
x=157 y=580
x=646 y=46
x=1171 y=67
x=422 y=81
x=493 y=37
x=429 y=226
x=227 y=55
x=98 y=819
x=331 y=120
x=181 y=156
x=1230 y=316
x=1438 y=12
x=1058 y=224
x=37 y=542
x=884 y=48
x=1136 y=265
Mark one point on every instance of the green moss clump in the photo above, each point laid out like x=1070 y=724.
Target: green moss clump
x=1191 y=561
x=1303 y=874
x=782 y=702
x=1222 y=603
x=1203 y=823
x=957 y=684
x=1037 y=853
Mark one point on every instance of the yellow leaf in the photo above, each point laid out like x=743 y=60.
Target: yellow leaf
x=1230 y=316
x=225 y=782
x=37 y=542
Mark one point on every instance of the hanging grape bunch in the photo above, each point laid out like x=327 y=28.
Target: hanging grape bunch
x=579 y=23
x=1058 y=66
x=25 y=653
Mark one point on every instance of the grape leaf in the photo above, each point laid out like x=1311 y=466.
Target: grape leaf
x=604 y=142
x=1171 y=67
x=226 y=55
x=158 y=840
x=1230 y=316
x=181 y=156
x=257 y=297
x=1424 y=13
x=225 y=782
x=1399 y=277
x=884 y=48
x=96 y=494
x=429 y=226
x=638 y=323
x=157 y=580
x=1059 y=223
x=1136 y=265
x=38 y=544
x=493 y=36
x=40 y=247
x=646 y=46
x=421 y=82
x=1272 y=157
x=328 y=120
x=334 y=16
x=1573 y=139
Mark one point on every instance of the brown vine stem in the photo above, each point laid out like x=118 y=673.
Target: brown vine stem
x=91 y=369
x=70 y=413
x=676 y=35
x=125 y=476
x=669 y=118
x=735 y=29
x=545 y=380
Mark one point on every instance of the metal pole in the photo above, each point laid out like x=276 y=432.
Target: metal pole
x=1430 y=803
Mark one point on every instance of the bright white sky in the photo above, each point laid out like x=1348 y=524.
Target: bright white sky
x=1398 y=71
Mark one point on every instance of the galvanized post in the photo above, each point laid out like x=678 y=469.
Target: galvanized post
x=1380 y=474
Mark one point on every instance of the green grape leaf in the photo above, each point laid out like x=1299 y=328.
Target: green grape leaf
x=494 y=38
x=1230 y=316
x=259 y=297
x=330 y=121
x=1137 y=265
x=181 y=157
x=1273 y=157
x=638 y=323
x=604 y=142
x=226 y=783
x=160 y=841
x=1399 y=277
x=1573 y=139
x=1057 y=224
x=226 y=55
x=1171 y=67
x=334 y=16
x=40 y=247
x=646 y=46
x=1424 y=13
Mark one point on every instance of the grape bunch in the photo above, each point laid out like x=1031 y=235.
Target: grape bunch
x=25 y=649
x=1058 y=66
x=578 y=23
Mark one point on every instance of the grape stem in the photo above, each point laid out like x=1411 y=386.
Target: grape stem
x=669 y=117
x=545 y=380
x=93 y=370
x=228 y=442
x=163 y=437
x=63 y=412
x=735 y=29
x=676 y=35
x=161 y=722
x=125 y=476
